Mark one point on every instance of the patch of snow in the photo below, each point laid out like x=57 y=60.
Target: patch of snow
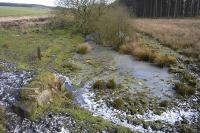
x=100 y=108
x=171 y=116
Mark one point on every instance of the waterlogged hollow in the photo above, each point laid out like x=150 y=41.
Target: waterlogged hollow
x=85 y=97
x=156 y=79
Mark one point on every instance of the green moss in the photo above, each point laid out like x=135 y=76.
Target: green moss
x=2 y=68
x=184 y=89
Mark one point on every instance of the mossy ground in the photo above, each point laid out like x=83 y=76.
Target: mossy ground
x=62 y=103
x=21 y=46
x=57 y=47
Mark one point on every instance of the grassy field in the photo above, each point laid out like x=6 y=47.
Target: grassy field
x=22 y=11
x=182 y=35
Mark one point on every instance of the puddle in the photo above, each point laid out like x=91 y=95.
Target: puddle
x=155 y=78
x=158 y=80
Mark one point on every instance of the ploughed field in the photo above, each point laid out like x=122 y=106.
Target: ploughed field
x=48 y=86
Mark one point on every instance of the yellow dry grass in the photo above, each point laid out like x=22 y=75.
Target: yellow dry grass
x=145 y=53
x=182 y=35
x=84 y=48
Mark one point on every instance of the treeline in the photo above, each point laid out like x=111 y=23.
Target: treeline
x=163 y=8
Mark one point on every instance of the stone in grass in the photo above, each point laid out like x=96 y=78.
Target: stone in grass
x=30 y=99
x=24 y=109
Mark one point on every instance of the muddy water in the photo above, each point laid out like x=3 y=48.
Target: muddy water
x=145 y=75
x=157 y=80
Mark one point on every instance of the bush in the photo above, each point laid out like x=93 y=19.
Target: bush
x=184 y=89
x=84 y=48
x=113 y=27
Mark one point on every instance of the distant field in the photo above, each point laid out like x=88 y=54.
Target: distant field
x=182 y=35
x=22 y=11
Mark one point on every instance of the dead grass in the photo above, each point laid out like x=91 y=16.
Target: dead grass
x=164 y=60
x=84 y=48
x=182 y=35
x=145 y=53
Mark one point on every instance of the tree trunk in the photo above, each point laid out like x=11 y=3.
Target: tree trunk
x=175 y=8
x=169 y=7
x=161 y=7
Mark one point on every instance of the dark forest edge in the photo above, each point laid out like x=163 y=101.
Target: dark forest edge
x=163 y=8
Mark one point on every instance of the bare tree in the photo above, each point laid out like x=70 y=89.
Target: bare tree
x=81 y=10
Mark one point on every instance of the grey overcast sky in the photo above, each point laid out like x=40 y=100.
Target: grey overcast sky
x=42 y=2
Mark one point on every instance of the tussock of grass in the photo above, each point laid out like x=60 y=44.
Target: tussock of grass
x=84 y=48
x=118 y=103
x=184 y=90
x=147 y=54
x=101 y=84
x=164 y=60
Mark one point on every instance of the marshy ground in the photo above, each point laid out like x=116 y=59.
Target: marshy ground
x=97 y=91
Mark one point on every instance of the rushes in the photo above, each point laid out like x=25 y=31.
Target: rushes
x=147 y=54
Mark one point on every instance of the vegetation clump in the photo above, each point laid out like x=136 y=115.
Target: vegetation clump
x=164 y=103
x=184 y=89
x=147 y=54
x=84 y=48
x=2 y=67
x=164 y=60
x=111 y=84
x=118 y=103
x=101 y=84
x=2 y=121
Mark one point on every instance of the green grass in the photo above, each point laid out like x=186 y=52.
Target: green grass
x=56 y=47
x=22 y=11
